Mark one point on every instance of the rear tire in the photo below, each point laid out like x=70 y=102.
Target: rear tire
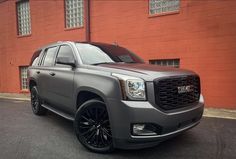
x=92 y=126
x=36 y=103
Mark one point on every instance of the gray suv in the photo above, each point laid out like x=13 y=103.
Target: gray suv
x=114 y=99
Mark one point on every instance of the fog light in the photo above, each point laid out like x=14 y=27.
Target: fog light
x=143 y=130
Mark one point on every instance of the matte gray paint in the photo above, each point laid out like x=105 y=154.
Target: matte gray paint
x=61 y=90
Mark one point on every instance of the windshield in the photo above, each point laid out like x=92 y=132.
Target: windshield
x=92 y=54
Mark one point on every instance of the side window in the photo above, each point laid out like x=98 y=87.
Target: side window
x=49 y=58
x=65 y=51
x=35 y=62
x=35 y=58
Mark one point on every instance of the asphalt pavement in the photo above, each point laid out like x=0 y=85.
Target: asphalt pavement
x=26 y=136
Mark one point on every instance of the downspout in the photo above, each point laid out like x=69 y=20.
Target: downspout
x=87 y=24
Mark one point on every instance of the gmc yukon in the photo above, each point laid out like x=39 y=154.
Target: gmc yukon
x=114 y=99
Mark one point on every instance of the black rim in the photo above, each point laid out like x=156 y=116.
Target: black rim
x=34 y=101
x=94 y=127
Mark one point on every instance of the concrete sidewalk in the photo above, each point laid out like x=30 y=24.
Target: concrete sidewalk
x=15 y=96
x=208 y=112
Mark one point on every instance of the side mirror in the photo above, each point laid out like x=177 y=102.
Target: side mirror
x=66 y=61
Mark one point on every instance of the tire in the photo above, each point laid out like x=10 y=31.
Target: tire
x=36 y=102
x=92 y=126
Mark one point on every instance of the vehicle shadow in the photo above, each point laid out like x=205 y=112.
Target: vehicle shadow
x=65 y=124
x=165 y=149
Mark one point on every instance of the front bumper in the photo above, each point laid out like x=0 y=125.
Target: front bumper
x=123 y=114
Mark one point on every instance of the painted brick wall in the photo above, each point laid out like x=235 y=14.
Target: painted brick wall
x=202 y=35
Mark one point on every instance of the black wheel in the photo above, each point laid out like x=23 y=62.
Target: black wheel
x=92 y=126
x=36 y=102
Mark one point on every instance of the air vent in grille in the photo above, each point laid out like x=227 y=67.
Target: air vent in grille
x=177 y=92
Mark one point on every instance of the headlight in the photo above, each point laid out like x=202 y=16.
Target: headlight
x=136 y=89
x=132 y=87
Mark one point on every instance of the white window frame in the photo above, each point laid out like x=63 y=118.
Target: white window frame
x=74 y=13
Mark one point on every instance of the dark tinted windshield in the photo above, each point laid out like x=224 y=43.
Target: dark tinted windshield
x=105 y=53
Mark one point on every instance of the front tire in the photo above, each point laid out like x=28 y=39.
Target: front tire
x=36 y=102
x=92 y=126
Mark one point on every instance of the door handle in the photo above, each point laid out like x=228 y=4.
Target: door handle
x=52 y=74
x=38 y=72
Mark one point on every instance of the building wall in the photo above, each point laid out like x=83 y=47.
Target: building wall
x=202 y=35
x=47 y=26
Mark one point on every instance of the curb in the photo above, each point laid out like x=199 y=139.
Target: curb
x=14 y=98
x=218 y=116
x=219 y=113
x=208 y=112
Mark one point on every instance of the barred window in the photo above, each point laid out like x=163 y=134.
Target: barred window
x=166 y=62
x=163 y=6
x=74 y=13
x=23 y=17
x=23 y=75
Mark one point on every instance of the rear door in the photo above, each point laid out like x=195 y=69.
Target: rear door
x=34 y=66
x=63 y=82
x=45 y=78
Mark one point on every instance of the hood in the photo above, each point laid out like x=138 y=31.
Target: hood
x=147 y=72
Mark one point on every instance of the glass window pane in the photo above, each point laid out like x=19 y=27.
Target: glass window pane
x=23 y=17
x=103 y=53
x=49 y=58
x=65 y=51
x=166 y=62
x=23 y=75
x=74 y=13
x=163 y=6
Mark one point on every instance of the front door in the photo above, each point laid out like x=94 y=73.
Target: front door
x=63 y=82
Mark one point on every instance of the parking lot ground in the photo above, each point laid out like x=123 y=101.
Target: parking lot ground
x=24 y=135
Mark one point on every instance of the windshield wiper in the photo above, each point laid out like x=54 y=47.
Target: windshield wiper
x=131 y=62
x=103 y=63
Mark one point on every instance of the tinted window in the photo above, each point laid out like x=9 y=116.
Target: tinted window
x=35 y=57
x=65 y=51
x=35 y=62
x=105 y=53
x=49 y=58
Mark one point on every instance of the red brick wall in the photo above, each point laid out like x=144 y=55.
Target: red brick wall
x=47 y=24
x=202 y=35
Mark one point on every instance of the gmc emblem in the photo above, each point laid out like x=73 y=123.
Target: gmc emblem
x=185 y=89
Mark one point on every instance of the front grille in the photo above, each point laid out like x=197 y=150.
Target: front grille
x=169 y=96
